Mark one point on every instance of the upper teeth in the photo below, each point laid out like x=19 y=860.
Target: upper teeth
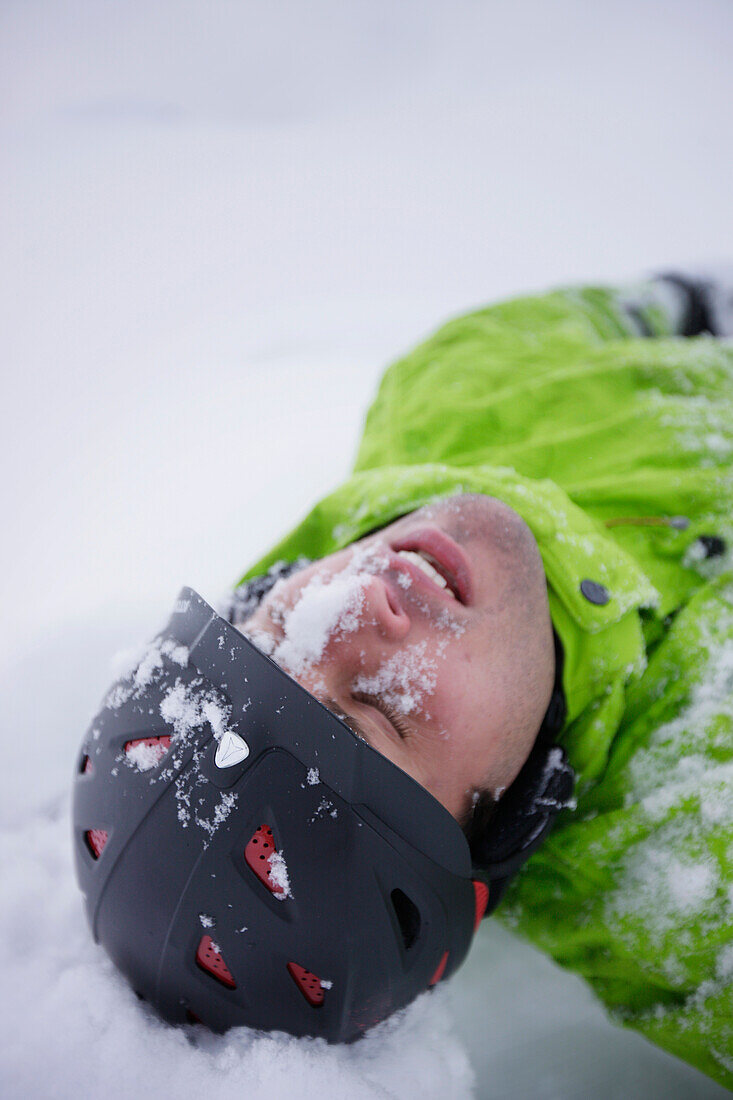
x=427 y=568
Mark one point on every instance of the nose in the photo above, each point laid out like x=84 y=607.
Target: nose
x=384 y=610
x=380 y=624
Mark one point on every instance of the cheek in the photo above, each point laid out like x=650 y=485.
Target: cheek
x=452 y=703
x=286 y=593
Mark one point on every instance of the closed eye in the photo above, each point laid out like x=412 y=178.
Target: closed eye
x=396 y=720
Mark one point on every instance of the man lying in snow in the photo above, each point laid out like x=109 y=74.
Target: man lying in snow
x=534 y=546
x=557 y=461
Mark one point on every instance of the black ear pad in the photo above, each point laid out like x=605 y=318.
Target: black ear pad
x=524 y=817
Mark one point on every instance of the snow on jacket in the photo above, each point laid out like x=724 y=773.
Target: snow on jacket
x=617 y=450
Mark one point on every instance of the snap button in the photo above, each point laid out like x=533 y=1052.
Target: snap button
x=595 y=592
x=713 y=545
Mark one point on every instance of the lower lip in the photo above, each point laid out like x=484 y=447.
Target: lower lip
x=445 y=551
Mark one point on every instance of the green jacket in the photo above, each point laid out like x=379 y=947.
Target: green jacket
x=555 y=405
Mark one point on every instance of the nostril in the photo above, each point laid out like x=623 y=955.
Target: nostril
x=391 y=615
x=393 y=606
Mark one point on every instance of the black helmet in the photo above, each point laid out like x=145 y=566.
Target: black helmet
x=246 y=859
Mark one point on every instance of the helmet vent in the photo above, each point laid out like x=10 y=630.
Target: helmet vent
x=308 y=984
x=96 y=840
x=481 y=892
x=85 y=765
x=209 y=958
x=439 y=970
x=258 y=854
x=408 y=916
x=147 y=752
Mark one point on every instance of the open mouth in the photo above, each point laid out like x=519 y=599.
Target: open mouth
x=440 y=559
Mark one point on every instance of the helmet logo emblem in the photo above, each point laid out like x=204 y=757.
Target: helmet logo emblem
x=232 y=749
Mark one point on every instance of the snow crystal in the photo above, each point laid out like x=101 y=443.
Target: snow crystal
x=144 y=757
x=278 y=876
x=724 y=965
x=677 y=765
x=313 y=777
x=670 y=881
x=123 y=663
x=146 y=669
x=324 y=608
x=260 y=638
x=326 y=984
x=221 y=812
x=690 y=885
x=187 y=707
x=325 y=808
x=206 y=920
x=327 y=606
x=657 y=888
x=153 y=660
x=178 y=654
x=404 y=679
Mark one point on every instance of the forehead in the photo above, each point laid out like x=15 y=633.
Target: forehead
x=466 y=515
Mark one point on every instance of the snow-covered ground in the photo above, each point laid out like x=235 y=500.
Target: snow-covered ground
x=218 y=221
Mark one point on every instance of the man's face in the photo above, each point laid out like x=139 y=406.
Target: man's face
x=417 y=635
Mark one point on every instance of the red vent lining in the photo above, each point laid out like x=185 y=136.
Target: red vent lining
x=308 y=984
x=160 y=744
x=439 y=970
x=210 y=960
x=481 y=891
x=96 y=840
x=258 y=853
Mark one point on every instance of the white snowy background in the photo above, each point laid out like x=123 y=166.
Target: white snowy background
x=218 y=222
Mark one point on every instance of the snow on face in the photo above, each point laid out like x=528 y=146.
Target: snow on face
x=326 y=607
x=332 y=606
x=322 y=610
x=404 y=679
